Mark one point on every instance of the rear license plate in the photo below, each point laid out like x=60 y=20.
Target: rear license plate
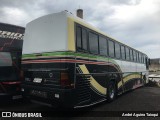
x=37 y=80
x=38 y=93
x=16 y=97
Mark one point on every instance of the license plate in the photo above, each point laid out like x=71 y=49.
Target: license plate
x=38 y=93
x=16 y=97
x=37 y=80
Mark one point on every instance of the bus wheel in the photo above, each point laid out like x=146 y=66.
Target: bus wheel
x=144 y=80
x=111 y=91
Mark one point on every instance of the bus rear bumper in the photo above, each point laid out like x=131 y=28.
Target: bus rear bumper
x=50 y=97
x=6 y=97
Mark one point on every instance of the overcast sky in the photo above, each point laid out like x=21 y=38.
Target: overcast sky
x=133 y=22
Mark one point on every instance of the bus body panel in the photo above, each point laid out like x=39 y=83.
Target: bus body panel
x=85 y=91
x=44 y=32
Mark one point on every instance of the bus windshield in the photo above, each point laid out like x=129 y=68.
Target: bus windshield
x=5 y=59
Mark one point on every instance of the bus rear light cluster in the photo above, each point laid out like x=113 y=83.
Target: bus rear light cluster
x=64 y=80
x=18 y=89
x=21 y=75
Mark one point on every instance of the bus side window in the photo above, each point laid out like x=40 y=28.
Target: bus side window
x=147 y=63
x=137 y=57
x=84 y=39
x=117 y=50
x=140 y=58
x=123 y=53
x=79 y=38
x=102 y=46
x=93 y=43
x=127 y=54
x=131 y=54
x=111 y=48
x=134 y=55
x=143 y=59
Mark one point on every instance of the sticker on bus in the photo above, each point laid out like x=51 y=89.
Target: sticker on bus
x=17 y=97
x=37 y=80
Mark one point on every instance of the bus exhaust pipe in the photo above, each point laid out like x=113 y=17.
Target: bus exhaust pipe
x=80 y=13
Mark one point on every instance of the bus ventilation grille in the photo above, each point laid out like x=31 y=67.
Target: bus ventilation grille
x=83 y=89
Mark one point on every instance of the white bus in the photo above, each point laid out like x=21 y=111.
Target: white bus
x=69 y=63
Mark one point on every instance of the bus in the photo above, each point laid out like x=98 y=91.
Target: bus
x=10 y=61
x=69 y=63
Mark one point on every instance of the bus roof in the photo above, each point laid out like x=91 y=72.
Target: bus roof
x=46 y=34
x=48 y=28
x=7 y=24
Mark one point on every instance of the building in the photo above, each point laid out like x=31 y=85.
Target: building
x=154 y=64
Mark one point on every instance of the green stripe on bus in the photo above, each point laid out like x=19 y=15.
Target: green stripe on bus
x=61 y=54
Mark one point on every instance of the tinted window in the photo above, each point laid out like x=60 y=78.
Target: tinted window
x=93 y=43
x=84 y=39
x=131 y=55
x=102 y=46
x=117 y=50
x=111 y=48
x=141 y=56
x=123 y=54
x=137 y=57
x=134 y=55
x=144 y=59
x=127 y=54
x=79 y=35
x=140 y=59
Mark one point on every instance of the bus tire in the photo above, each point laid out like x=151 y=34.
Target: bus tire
x=111 y=91
x=144 y=80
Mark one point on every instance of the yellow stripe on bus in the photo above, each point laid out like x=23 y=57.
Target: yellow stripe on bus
x=71 y=37
x=93 y=82
x=120 y=84
x=129 y=77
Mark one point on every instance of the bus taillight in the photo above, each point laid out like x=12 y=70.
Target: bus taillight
x=21 y=75
x=64 y=80
x=11 y=83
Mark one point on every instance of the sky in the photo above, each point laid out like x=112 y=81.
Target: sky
x=133 y=22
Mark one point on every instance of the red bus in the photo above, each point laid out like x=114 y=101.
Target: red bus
x=11 y=40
